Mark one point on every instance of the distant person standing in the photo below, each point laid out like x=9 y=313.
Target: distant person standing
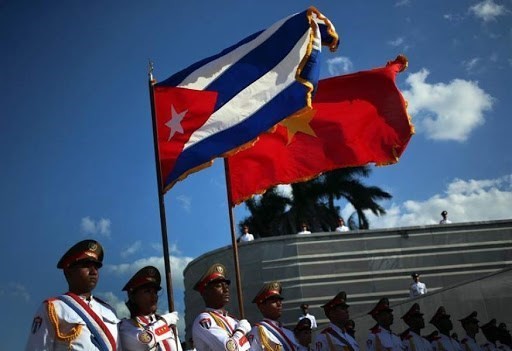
x=305 y=314
x=305 y=229
x=417 y=288
x=445 y=219
x=76 y=320
x=246 y=236
x=470 y=325
x=341 y=226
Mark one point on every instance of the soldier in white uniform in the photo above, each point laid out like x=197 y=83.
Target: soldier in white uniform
x=411 y=338
x=417 y=288
x=443 y=342
x=76 y=320
x=490 y=331
x=146 y=330
x=335 y=336
x=302 y=332
x=214 y=329
x=269 y=334
x=381 y=337
x=470 y=325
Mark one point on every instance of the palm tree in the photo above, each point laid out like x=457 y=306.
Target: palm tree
x=312 y=203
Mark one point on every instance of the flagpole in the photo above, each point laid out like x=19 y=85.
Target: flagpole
x=234 y=243
x=163 y=222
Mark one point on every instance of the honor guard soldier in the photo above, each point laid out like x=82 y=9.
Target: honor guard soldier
x=335 y=337
x=444 y=342
x=76 y=320
x=504 y=338
x=146 y=330
x=302 y=333
x=411 y=338
x=214 y=329
x=470 y=325
x=490 y=331
x=381 y=337
x=269 y=334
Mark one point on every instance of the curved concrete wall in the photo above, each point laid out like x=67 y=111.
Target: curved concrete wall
x=366 y=264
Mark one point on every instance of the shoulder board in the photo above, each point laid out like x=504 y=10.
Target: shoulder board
x=326 y=330
x=50 y=299
x=405 y=335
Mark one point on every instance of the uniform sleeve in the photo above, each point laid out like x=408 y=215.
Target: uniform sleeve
x=370 y=342
x=254 y=339
x=206 y=332
x=41 y=334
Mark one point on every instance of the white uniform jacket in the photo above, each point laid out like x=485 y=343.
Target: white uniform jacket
x=414 y=342
x=267 y=334
x=146 y=333
x=469 y=344
x=380 y=339
x=333 y=338
x=445 y=343
x=215 y=330
x=59 y=327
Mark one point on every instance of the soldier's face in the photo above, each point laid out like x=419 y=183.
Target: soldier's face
x=339 y=315
x=82 y=276
x=471 y=328
x=385 y=318
x=417 y=322
x=146 y=299
x=271 y=308
x=304 y=337
x=216 y=294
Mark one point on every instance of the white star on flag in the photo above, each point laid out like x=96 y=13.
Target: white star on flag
x=175 y=122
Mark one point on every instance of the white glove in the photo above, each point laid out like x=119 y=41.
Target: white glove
x=171 y=318
x=244 y=326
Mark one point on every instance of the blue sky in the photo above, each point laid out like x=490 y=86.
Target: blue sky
x=76 y=142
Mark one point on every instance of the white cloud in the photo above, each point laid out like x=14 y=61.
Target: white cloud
x=487 y=10
x=285 y=190
x=402 y=3
x=15 y=290
x=465 y=200
x=397 y=42
x=130 y=250
x=178 y=264
x=446 y=111
x=90 y=226
x=471 y=64
x=339 y=65
x=185 y=201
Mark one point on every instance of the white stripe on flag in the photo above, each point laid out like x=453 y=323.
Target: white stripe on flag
x=254 y=96
x=204 y=75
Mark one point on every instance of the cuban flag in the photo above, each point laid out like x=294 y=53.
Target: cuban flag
x=221 y=104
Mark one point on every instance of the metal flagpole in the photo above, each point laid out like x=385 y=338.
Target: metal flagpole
x=234 y=243
x=163 y=223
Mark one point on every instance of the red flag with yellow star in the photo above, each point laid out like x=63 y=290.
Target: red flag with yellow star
x=356 y=119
